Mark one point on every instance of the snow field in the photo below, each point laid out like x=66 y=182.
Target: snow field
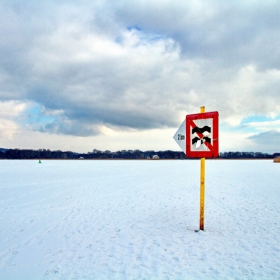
x=137 y=220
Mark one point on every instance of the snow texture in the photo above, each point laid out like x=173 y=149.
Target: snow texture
x=137 y=220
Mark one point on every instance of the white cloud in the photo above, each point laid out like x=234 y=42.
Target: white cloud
x=265 y=126
x=11 y=109
x=8 y=129
x=235 y=141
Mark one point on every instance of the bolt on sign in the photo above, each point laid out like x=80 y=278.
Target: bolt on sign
x=202 y=135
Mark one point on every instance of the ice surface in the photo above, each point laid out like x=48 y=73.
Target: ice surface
x=137 y=220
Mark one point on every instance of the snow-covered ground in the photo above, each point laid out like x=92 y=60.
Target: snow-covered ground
x=137 y=220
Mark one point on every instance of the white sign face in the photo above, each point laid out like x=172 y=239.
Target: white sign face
x=201 y=134
x=180 y=136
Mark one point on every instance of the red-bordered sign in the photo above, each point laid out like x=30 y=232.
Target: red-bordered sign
x=202 y=131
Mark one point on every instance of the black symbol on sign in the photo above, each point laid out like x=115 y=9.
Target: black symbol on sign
x=201 y=130
x=181 y=137
x=202 y=140
x=204 y=131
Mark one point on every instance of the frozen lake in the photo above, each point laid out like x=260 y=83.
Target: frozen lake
x=137 y=220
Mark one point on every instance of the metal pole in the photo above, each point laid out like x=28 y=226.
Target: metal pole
x=202 y=185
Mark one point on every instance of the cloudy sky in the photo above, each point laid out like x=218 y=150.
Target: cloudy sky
x=84 y=75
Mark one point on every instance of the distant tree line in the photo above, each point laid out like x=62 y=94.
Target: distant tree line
x=245 y=155
x=123 y=154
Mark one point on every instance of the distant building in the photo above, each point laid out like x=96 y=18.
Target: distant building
x=155 y=157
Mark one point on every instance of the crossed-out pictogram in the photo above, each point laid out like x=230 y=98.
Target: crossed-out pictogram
x=202 y=135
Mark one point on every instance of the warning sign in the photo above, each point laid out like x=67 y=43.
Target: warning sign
x=202 y=135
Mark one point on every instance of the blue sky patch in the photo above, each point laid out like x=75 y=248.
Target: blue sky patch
x=147 y=35
x=35 y=116
x=251 y=119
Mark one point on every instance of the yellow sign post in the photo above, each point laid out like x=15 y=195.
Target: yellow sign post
x=202 y=186
x=198 y=137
